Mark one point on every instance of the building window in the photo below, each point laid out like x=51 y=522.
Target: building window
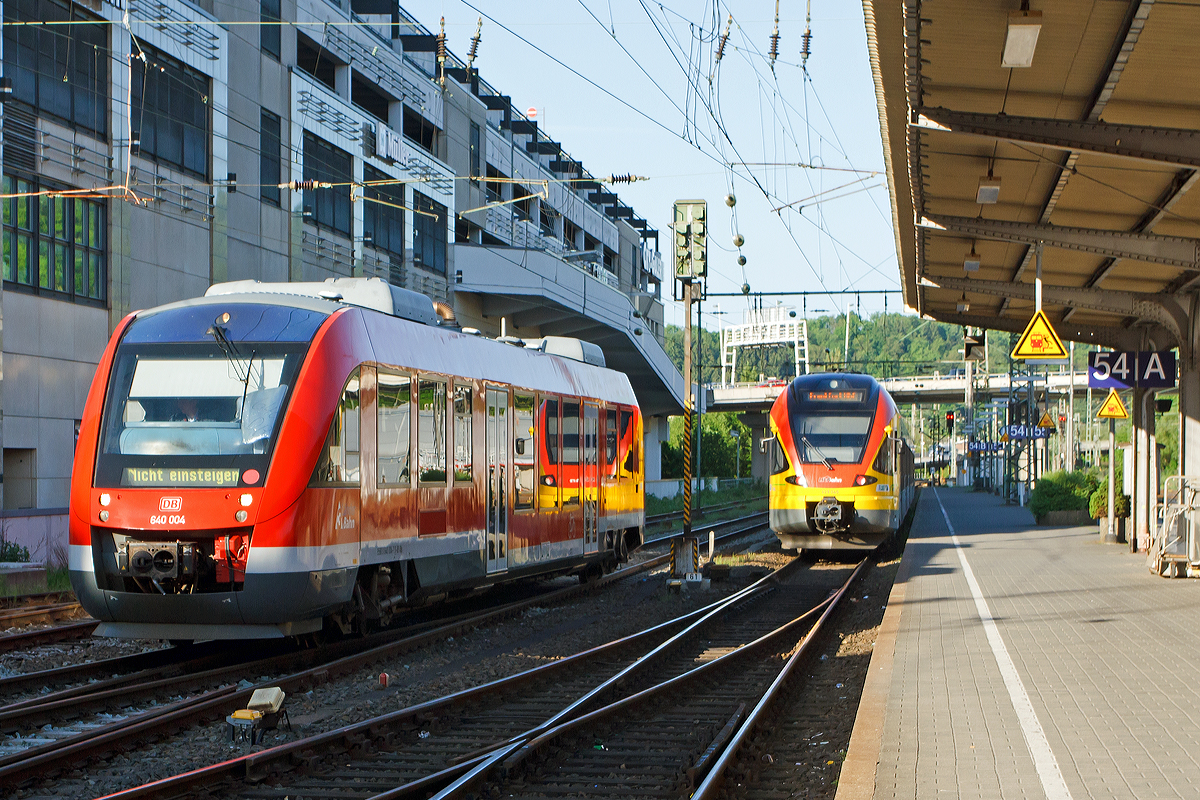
x=419 y=130
x=327 y=208
x=429 y=234
x=53 y=245
x=60 y=70
x=383 y=212
x=316 y=61
x=269 y=31
x=270 y=148
x=476 y=152
x=169 y=112
x=494 y=185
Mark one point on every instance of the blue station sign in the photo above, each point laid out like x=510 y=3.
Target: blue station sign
x=1127 y=369
x=1028 y=432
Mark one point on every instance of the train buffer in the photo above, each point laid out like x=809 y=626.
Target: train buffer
x=1025 y=660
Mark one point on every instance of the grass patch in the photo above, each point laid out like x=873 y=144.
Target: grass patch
x=58 y=579
x=663 y=505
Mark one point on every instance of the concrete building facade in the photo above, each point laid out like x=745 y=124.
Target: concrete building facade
x=154 y=147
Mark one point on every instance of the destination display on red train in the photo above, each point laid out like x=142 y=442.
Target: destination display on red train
x=834 y=396
x=156 y=476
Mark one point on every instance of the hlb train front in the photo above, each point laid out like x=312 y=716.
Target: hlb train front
x=169 y=495
x=834 y=482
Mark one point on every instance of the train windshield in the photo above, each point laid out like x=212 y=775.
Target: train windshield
x=829 y=438
x=203 y=411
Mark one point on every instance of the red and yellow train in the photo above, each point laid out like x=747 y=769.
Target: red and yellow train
x=271 y=459
x=842 y=469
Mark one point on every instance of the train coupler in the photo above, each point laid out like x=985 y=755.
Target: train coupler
x=828 y=511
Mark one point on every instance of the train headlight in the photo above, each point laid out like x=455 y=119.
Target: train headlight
x=241 y=515
x=246 y=500
x=864 y=480
x=104 y=516
x=105 y=499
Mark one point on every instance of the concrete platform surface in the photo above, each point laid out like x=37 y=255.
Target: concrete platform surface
x=1020 y=661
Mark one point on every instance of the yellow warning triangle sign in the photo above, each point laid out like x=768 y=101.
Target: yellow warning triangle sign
x=1039 y=340
x=1113 y=408
x=1046 y=422
x=1004 y=437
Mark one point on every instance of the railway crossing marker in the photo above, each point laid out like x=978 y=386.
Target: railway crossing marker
x=1113 y=408
x=1039 y=340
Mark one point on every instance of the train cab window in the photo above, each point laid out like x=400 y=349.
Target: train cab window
x=779 y=462
x=524 y=448
x=548 y=478
x=394 y=429
x=431 y=431
x=462 y=433
x=338 y=463
x=884 y=460
x=611 y=463
x=571 y=444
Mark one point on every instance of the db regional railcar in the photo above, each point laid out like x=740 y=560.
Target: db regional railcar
x=277 y=459
x=842 y=470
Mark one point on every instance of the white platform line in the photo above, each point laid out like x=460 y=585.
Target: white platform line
x=1035 y=738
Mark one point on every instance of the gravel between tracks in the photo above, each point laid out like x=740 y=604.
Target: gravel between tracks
x=538 y=635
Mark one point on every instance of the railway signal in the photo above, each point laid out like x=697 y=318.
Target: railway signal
x=949 y=422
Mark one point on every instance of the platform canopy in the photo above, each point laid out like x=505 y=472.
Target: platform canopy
x=1093 y=150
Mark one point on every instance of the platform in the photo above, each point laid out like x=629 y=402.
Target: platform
x=1017 y=661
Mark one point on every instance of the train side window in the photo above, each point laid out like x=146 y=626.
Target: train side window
x=610 y=444
x=884 y=461
x=571 y=444
x=779 y=462
x=394 y=429
x=462 y=433
x=338 y=463
x=548 y=478
x=627 y=446
x=431 y=431
x=525 y=448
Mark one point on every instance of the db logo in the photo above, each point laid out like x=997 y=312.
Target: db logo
x=170 y=504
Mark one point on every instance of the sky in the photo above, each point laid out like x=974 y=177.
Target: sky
x=649 y=99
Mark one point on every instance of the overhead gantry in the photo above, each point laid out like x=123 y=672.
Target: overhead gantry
x=1077 y=168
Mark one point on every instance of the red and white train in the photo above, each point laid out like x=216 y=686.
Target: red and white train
x=271 y=459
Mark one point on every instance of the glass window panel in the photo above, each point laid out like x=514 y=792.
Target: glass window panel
x=60 y=268
x=10 y=272
x=80 y=272
x=462 y=433
x=524 y=448
x=80 y=221
x=44 y=215
x=94 y=276
x=431 y=431
x=60 y=218
x=570 y=453
x=24 y=254
x=549 y=475
x=44 y=264
x=338 y=463
x=393 y=429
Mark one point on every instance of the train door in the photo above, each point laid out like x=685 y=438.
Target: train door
x=591 y=478
x=497 y=480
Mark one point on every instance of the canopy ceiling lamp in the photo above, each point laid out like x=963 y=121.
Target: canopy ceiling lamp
x=971 y=262
x=988 y=192
x=1023 y=29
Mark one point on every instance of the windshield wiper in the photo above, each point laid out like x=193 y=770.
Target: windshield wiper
x=221 y=336
x=817 y=450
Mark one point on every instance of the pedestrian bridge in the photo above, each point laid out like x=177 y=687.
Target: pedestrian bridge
x=919 y=389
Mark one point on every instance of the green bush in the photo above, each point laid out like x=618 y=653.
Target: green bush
x=1098 y=505
x=1061 y=491
x=11 y=551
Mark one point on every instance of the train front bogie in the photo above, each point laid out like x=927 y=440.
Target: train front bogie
x=835 y=483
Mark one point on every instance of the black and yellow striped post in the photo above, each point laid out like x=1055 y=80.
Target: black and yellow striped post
x=686 y=557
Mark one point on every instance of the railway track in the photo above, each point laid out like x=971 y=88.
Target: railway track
x=653 y=519
x=647 y=715
x=166 y=696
